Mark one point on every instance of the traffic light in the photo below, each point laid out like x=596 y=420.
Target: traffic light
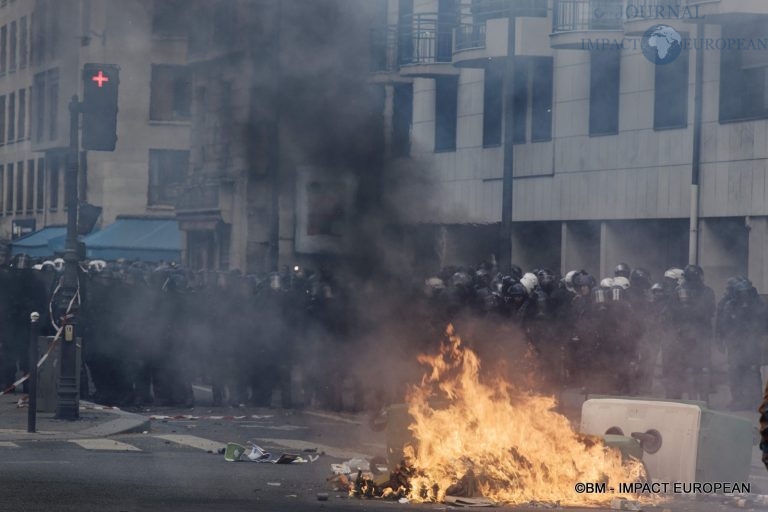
x=100 y=106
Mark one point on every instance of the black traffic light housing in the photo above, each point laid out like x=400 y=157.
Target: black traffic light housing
x=100 y=84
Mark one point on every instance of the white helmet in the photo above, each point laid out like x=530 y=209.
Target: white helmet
x=621 y=281
x=58 y=264
x=529 y=281
x=674 y=273
x=569 y=280
x=97 y=265
x=608 y=282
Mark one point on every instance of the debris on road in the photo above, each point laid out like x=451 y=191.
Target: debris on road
x=624 y=504
x=322 y=496
x=274 y=484
x=234 y=453
x=461 y=501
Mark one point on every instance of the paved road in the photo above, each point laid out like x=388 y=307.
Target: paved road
x=176 y=467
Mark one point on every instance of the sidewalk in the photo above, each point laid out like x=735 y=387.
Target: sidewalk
x=95 y=421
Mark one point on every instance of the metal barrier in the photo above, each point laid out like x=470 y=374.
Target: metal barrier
x=579 y=15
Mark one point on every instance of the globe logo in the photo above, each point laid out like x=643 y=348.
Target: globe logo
x=661 y=44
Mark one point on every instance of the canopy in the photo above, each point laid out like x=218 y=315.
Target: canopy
x=142 y=238
x=39 y=243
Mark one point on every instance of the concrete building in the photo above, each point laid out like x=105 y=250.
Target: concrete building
x=43 y=47
x=279 y=132
x=602 y=157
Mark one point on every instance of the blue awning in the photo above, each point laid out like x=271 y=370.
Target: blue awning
x=142 y=238
x=37 y=244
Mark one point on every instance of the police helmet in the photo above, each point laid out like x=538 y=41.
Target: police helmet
x=640 y=278
x=693 y=273
x=622 y=270
x=516 y=272
x=606 y=283
x=674 y=273
x=568 y=279
x=582 y=278
x=529 y=281
x=621 y=281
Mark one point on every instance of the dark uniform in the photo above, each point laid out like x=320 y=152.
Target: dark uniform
x=740 y=329
x=688 y=358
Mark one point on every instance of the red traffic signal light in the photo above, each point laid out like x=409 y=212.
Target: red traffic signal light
x=100 y=84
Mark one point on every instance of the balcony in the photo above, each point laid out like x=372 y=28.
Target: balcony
x=425 y=46
x=640 y=15
x=725 y=11
x=574 y=21
x=477 y=42
x=384 y=64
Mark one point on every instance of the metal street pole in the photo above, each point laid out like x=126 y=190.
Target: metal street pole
x=34 y=332
x=68 y=406
x=505 y=235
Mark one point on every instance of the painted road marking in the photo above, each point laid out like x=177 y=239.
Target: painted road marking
x=8 y=444
x=193 y=441
x=104 y=444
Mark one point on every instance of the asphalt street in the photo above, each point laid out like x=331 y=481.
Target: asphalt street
x=176 y=466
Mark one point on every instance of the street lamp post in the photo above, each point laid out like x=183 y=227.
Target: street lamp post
x=68 y=405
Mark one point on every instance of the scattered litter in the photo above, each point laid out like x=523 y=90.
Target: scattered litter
x=403 y=500
x=322 y=496
x=258 y=453
x=624 y=504
x=462 y=501
x=309 y=450
x=313 y=458
x=291 y=496
x=145 y=432
x=233 y=452
x=340 y=469
x=221 y=451
x=274 y=484
x=23 y=402
x=358 y=464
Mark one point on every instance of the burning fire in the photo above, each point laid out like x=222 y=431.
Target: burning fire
x=476 y=438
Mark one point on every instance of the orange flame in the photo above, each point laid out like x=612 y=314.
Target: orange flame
x=491 y=440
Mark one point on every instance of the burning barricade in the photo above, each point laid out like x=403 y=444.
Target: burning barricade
x=481 y=438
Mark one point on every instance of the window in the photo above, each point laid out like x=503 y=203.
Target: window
x=53 y=184
x=2 y=189
x=39 y=28
x=446 y=104
x=402 y=114
x=670 y=106
x=447 y=14
x=520 y=102
x=493 y=90
x=22 y=117
x=541 y=100
x=29 y=124
x=10 y=189
x=170 y=95
x=11 y=118
x=40 y=184
x=13 y=44
x=54 y=28
x=23 y=42
x=167 y=174
x=743 y=85
x=30 y=204
x=4 y=49
x=2 y=120
x=604 y=92
x=39 y=106
x=53 y=103
x=168 y=18
x=20 y=187
x=85 y=22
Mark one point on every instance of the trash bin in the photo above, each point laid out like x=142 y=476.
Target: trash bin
x=48 y=373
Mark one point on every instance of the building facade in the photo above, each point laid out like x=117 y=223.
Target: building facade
x=43 y=47
x=602 y=158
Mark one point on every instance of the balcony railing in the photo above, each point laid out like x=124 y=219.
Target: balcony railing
x=384 y=49
x=470 y=36
x=582 y=15
x=647 y=8
x=425 y=38
x=198 y=197
x=488 y=9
